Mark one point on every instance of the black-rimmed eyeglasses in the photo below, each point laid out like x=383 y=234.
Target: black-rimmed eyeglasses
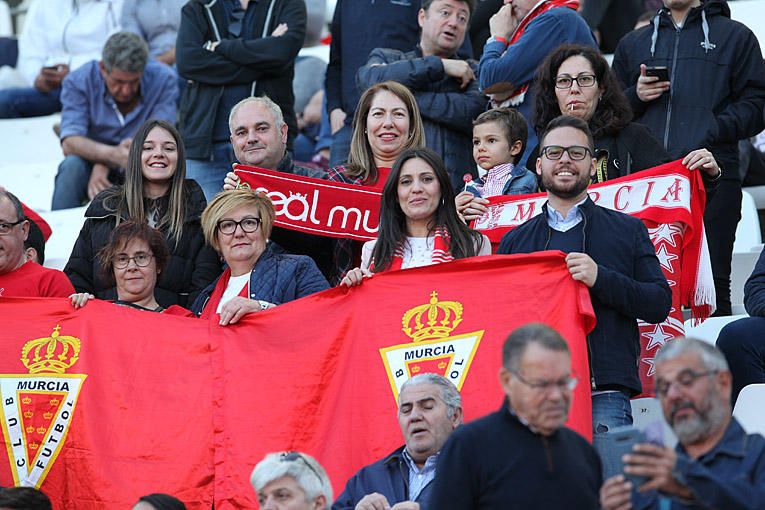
x=565 y=81
x=141 y=259
x=249 y=225
x=5 y=228
x=575 y=152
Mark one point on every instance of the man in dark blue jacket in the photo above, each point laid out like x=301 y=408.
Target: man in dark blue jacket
x=444 y=84
x=608 y=251
x=429 y=409
x=714 y=98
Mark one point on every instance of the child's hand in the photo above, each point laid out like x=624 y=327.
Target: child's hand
x=470 y=206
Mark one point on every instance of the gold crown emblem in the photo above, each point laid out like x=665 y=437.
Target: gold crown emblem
x=436 y=319
x=54 y=402
x=34 y=446
x=28 y=414
x=47 y=415
x=442 y=365
x=41 y=430
x=51 y=355
x=30 y=429
x=26 y=401
x=415 y=369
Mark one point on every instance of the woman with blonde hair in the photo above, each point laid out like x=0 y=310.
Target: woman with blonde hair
x=237 y=223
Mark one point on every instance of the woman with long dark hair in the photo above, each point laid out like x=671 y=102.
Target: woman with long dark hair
x=419 y=224
x=576 y=80
x=156 y=192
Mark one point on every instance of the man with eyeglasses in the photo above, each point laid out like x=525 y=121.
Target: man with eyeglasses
x=291 y=481
x=443 y=83
x=715 y=464
x=20 y=277
x=522 y=456
x=228 y=50
x=611 y=253
x=429 y=410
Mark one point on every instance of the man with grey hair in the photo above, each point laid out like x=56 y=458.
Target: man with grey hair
x=291 y=480
x=429 y=410
x=20 y=277
x=259 y=138
x=523 y=456
x=715 y=464
x=104 y=103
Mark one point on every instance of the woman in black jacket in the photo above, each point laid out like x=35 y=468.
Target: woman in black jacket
x=156 y=192
x=576 y=80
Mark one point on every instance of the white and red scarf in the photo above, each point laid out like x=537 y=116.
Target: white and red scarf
x=441 y=253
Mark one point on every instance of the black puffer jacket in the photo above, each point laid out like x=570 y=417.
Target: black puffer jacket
x=717 y=81
x=192 y=266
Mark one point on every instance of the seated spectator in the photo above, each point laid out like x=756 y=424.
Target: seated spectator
x=157 y=22
x=522 y=456
x=419 y=224
x=23 y=498
x=429 y=410
x=523 y=33
x=159 y=502
x=742 y=341
x=104 y=104
x=59 y=36
x=444 y=84
x=291 y=480
x=20 y=277
x=238 y=224
x=610 y=19
x=499 y=138
x=715 y=464
x=132 y=260
x=576 y=80
x=155 y=192
x=387 y=121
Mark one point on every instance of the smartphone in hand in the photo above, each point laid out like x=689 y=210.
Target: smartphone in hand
x=662 y=72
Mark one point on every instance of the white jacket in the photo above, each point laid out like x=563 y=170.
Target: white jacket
x=69 y=32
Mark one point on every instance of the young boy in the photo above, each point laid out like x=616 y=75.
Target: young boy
x=499 y=138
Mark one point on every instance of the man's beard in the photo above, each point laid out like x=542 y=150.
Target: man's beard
x=707 y=418
x=570 y=190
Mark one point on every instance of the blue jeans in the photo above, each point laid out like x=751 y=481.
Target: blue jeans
x=609 y=411
x=209 y=173
x=28 y=102
x=743 y=343
x=71 y=188
x=341 y=146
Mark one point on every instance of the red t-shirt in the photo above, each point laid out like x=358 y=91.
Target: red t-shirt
x=34 y=280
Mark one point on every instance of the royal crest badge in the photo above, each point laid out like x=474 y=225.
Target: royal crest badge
x=37 y=407
x=433 y=347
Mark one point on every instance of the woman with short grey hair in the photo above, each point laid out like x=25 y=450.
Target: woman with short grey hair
x=292 y=478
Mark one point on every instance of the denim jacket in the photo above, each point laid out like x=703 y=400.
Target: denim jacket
x=521 y=182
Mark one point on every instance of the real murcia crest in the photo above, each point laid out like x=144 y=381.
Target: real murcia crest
x=37 y=407
x=432 y=349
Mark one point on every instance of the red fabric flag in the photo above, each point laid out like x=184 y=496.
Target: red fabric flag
x=188 y=407
x=670 y=200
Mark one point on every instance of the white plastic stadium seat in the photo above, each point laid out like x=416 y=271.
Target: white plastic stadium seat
x=709 y=330
x=6 y=26
x=750 y=13
x=66 y=225
x=742 y=265
x=758 y=194
x=748 y=233
x=750 y=408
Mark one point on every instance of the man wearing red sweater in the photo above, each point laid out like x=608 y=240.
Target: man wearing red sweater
x=19 y=278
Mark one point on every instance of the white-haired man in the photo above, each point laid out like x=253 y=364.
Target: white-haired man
x=429 y=409
x=291 y=481
x=715 y=464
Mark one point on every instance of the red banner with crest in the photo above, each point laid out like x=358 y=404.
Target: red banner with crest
x=104 y=404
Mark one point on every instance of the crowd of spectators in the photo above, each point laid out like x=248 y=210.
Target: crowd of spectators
x=418 y=106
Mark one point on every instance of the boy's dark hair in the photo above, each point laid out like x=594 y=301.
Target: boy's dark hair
x=512 y=122
x=426 y=5
x=24 y=498
x=163 y=501
x=36 y=240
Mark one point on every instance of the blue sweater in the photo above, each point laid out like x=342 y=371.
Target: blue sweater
x=516 y=65
x=630 y=286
